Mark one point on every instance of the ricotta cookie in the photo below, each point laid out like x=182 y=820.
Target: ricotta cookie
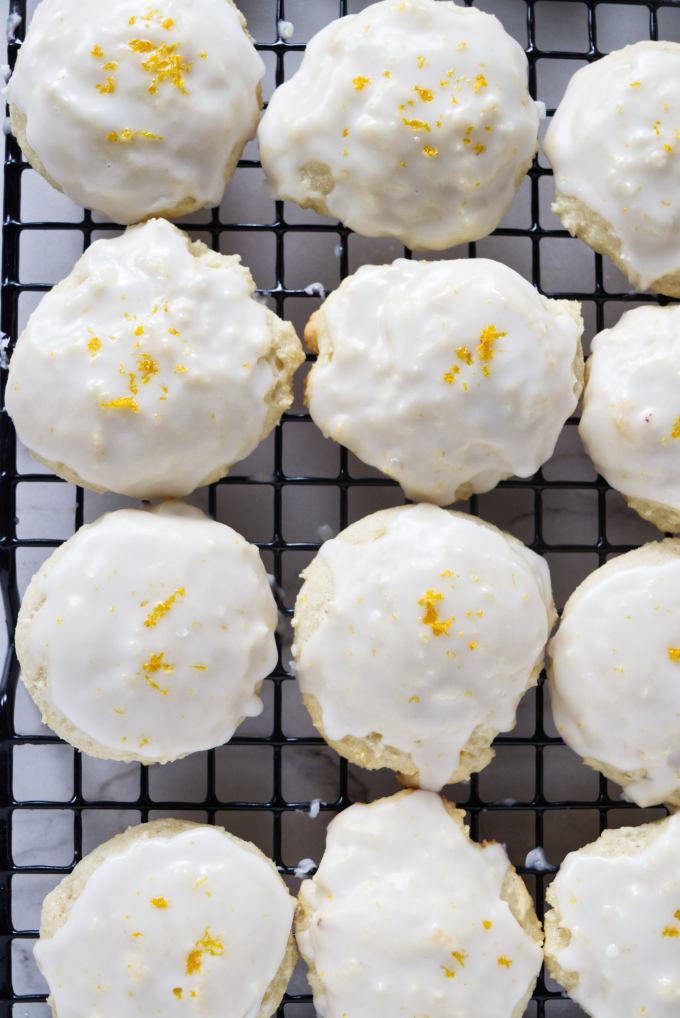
x=611 y=937
x=411 y=119
x=416 y=633
x=407 y=916
x=168 y=918
x=614 y=146
x=150 y=369
x=630 y=423
x=447 y=376
x=614 y=670
x=134 y=110
x=147 y=635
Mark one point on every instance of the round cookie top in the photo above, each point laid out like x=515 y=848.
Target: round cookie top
x=147 y=635
x=615 y=672
x=614 y=147
x=611 y=938
x=411 y=119
x=168 y=918
x=417 y=631
x=630 y=422
x=135 y=109
x=448 y=375
x=150 y=369
x=406 y=915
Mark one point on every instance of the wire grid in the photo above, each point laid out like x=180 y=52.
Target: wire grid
x=535 y=793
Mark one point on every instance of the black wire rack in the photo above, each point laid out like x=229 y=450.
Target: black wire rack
x=266 y=784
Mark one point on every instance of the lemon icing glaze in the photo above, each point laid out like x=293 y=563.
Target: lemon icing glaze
x=146 y=371
x=448 y=375
x=615 y=670
x=407 y=919
x=150 y=107
x=147 y=634
x=630 y=423
x=432 y=628
x=623 y=915
x=614 y=144
x=411 y=119
x=171 y=925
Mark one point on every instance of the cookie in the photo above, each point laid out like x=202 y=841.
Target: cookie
x=614 y=670
x=151 y=368
x=406 y=915
x=170 y=917
x=416 y=633
x=611 y=936
x=147 y=635
x=613 y=144
x=132 y=110
x=448 y=376
x=630 y=423
x=411 y=119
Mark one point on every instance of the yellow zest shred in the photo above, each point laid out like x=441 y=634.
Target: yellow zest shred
x=108 y=86
x=160 y=902
x=162 y=608
x=206 y=945
x=94 y=346
x=426 y=94
x=360 y=82
x=97 y=52
x=480 y=82
x=122 y=403
x=417 y=125
x=505 y=962
x=439 y=627
x=163 y=63
x=430 y=151
x=674 y=654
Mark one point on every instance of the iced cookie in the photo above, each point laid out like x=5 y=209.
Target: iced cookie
x=614 y=145
x=168 y=918
x=630 y=423
x=416 y=633
x=407 y=916
x=134 y=110
x=614 y=670
x=448 y=376
x=147 y=635
x=411 y=119
x=611 y=936
x=150 y=369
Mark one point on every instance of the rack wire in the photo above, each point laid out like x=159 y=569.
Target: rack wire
x=56 y=804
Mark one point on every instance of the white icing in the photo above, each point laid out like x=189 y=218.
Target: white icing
x=623 y=913
x=399 y=906
x=614 y=144
x=171 y=925
x=433 y=628
x=417 y=113
x=536 y=861
x=615 y=672
x=142 y=322
x=630 y=424
x=154 y=629
x=285 y=30
x=445 y=374
x=193 y=104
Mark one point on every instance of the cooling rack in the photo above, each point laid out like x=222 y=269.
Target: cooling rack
x=276 y=782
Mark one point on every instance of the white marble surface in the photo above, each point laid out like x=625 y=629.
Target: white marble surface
x=45 y=835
